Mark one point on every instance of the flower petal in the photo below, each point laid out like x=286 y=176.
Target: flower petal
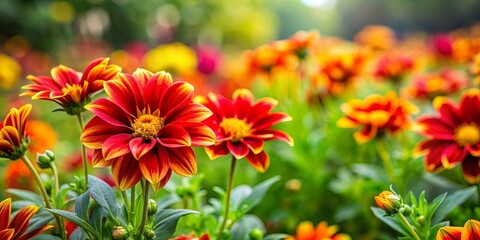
x=470 y=100
x=7 y=234
x=126 y=93
x=116 y=146
x=125 y=171
x=452 y=154
x=177 y=95
x=191 y=113
x=254 y=144
x=98 y=131
x=21 y=220
x=155 y=87
x=435 y=127
x=238 y=149
x=174 y=136
x=269 y=134
x=5 y=210
x=471 y=169
x=217 y=150
x=154 y=165
x=182 y=161
x=270 y=120
x=98 y=160
x=109 y=112
x=471 y=230
x=35 y=232
x=163 y=182
x=261 y=108
x=242 y=100
x=200 y=134
x=139 y=147
x=259 y=161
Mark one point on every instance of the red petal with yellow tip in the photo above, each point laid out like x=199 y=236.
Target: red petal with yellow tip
x=109 y=112
x=449 y=233
x=125 y=93
x=154 y=165
x=238 y=149
x=174 y=136
x=270 y=120
x=163 y=182
x=182 y=161
x=139 y=147
x=259 y=161
x=156 y=87
x=471 y=230
x=116 y=146
x=200 y=134
x=177 y=95
x=216 y=151
x=35 y=232
x=98 y=160
x=471 y=169
x=191 y=113
x=7 y=234
x=255 y=144
x=21 y=220
x=126 y=172
x=97 y=131
x=5 y=210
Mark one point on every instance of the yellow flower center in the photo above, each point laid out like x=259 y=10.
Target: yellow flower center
x=74 y=91
x=235 y=128
x=147 y=126
x=467 y=134
x=434 y=84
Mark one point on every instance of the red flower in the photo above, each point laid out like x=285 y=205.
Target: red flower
x=470 y=231
x=70 y=88
x=306 y=231
x=394 y=67
x=439 y=83
x=376 y=115
x=242 y=126
x=145 y=128
x=454 y=136
x=13 y=139
x=17 y=227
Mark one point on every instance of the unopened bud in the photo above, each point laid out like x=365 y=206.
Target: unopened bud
x=389 y=202
x=152 y=207
x=44 y=160
x=256 y=234
x=119 y=233
x=149 y=234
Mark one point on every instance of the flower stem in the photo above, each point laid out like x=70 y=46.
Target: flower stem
x=227 y=197
x=409 y=227
x=55 y=176
x=146 y=188
x=127 y=204
x=385 y=158
x=43 y=192
x=84 y=151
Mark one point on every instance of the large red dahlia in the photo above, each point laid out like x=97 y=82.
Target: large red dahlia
x=242 y=126
x=454 y=136
x=146 y=128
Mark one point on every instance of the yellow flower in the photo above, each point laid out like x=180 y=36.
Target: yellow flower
x=10 y=71
x=175 y=58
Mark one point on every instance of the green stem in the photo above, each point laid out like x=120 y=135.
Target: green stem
x=146 y=187
x=409 y=227
x=43 y=192
x=227 y=197
x=127 y=204
x=132 y=199
x=478 y=192
x=84 y=151
x=385 y=158
x=55 y=176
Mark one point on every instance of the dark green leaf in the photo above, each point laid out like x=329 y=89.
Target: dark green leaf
x=97 y=214
x=78 y=234
x=46 y=237
x=40 y=219
x=81 y=205
x=25 y=195
x=165 y=221
x=72 y=217
x=103 y=195
x=167 y=200
x=452 y=201
x=390 y=221
x=276 y=236
x=239 y=194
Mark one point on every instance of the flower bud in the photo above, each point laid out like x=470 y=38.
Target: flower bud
x=119 y=233
x=293 y=185
x=149 y=234
x=152 y=207
x=44 y=160
x=389 y=202
x=256 y=234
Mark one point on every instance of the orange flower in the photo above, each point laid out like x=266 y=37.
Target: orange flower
x=306 y=231
x=42 y=136
x=17 y=227
x=475 y=68
x=389 y=202
x=298 y=44
x=394 y=67
x=454 y=136
x=263 y=60
x=69 y=88
x=376 y=115
x=439 y=83
x=17 y=175
x=146 y=128
x=13 y=139
x=242 y=126
x=377 y=37
x=470 y=231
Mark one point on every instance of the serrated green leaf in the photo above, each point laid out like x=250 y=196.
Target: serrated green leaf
x=165 y=221
x=390 y=221
x=452 y=201
x=81 y=205
x=26 y=195
x=103 y=195
x=72 y=217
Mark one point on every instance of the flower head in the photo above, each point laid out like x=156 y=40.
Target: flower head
x=242 y=126
x=377 y=37
x=376 y=115
x=470 y=231
x=17 y=227
x=146 y=128
x=69 y=88
x=389 y=202
x=191 y=236
x=454 y=136
x=306 y=231
x=394 y=67
x=13 y=137
x=440 y=83
x=17 y=175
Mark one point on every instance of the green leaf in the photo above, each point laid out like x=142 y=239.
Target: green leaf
x=242 y=228
x=258 y=192
x=78 y=234
x=165 y=221
x=103 y=195
x=72 y=217
x=61 y=196
x=276 y=236
x=81 y=205
x=391 y=222
x=97 y=214
x=40 y=219
x=26 y=195
x=452 y=201
x=167 y=200
x=47 y=237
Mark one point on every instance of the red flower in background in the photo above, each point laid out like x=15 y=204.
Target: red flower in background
x=376 y=115
x=394 y=67
x=13 y=138
x=146 y=128
x=17 y=227
x=441 y=83
x=306 y=231
x=242 y=126
x=69 y=88
x=454 y=136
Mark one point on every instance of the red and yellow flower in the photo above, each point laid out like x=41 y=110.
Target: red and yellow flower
x=306 y=231
x=191 y=236
x=394 y=66
x=377 y=37
x=146 y=128
x=470 y=231
x=69 y=88
x=377 y=115
x=444 y=82
x=454 y=136
x=389 y=202
x=13 y=138
x=17 y=175
x=17 y=228
x=242 y=126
